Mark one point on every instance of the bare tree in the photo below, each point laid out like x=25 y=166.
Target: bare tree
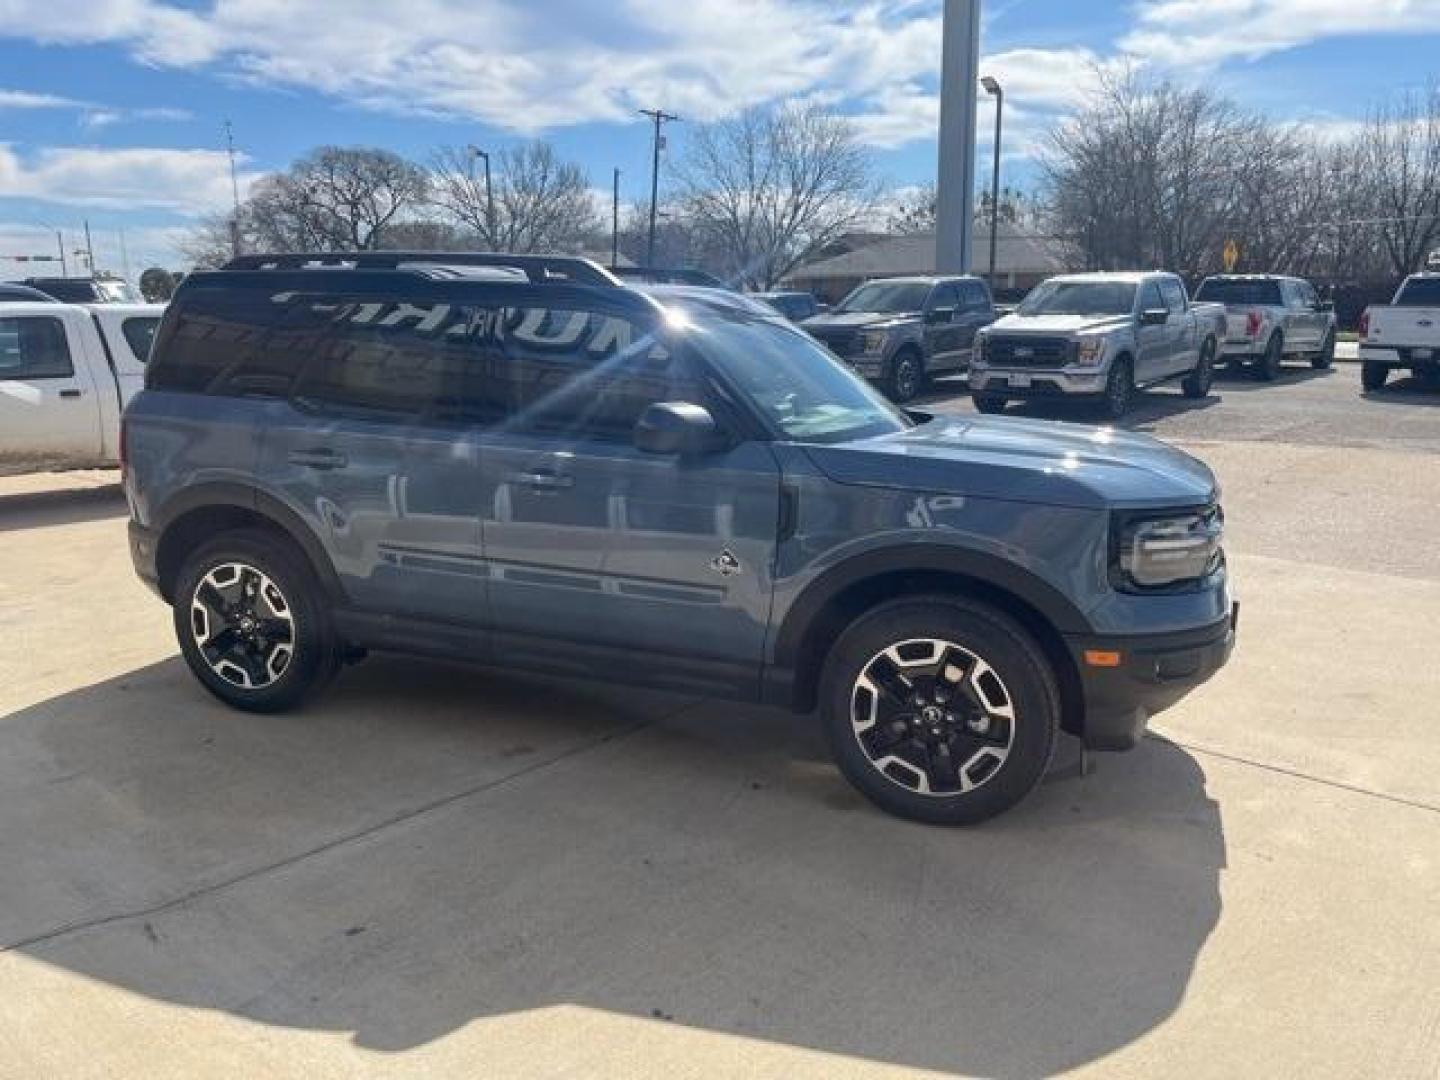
x=768 y=188
x=1400 y=147
x=541 y=202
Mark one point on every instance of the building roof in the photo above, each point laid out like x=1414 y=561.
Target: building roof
x=1016 y=252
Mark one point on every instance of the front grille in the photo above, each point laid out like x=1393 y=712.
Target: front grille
x=839 y=341
x=1018 y=352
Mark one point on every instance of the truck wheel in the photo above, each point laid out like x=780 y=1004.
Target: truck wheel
x=1197 y=383
x=907 y=376
x=251 y=623
x=1373 y=375
x=1322 y=360
x=993 y=404
x=940 y=709
x=1268 y=366
x=1119 y=389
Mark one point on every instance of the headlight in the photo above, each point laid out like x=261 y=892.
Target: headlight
x=977 y=352
x=873 y=341
x=1089 y=351
x=1167 y=551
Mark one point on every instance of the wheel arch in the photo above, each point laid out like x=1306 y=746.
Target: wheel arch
x=208 y=510
x=844 y=593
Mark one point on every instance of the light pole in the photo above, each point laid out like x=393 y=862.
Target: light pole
x=615 y=221
x=475 y=152
x=993 y=88
x=659 y=116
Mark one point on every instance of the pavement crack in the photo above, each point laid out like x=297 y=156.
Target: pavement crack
x=1340 y=785
x=411 y=814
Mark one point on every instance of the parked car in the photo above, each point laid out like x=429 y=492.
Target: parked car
x=1097 y=336
x=1270 y=319
x=84 y=290
x=24 y=293
x=66 y=371
x=795 y=306
x=900 y=331
x=1405 y=334
x=560 y=476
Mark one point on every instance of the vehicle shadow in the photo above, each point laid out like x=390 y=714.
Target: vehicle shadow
x=61 y=506
x=1233 y=378
x=1411 y=390
x=426 y=846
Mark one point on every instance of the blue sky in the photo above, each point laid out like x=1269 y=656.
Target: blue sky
x=112 y=110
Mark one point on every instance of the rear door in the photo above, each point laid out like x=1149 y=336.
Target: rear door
x=602 y=557
x=49 y=409
x=369 y=445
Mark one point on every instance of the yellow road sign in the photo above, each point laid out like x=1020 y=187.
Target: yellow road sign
x=1232 y=255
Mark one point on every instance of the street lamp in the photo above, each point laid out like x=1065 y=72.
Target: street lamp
x=994 y=89
x=475 y=152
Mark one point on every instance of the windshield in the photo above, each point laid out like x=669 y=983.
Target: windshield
x=1239 y=291
x=1080 y=298
x=887 y=296
x=802 y=391
x=1419 y=292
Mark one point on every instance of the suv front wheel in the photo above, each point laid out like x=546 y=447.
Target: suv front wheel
x=940 y=709
x=251 y=623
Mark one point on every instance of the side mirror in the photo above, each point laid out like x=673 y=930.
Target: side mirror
x=940 y=315
x=675 y=427
x=1157 y=316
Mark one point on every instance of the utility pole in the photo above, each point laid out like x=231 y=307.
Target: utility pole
x=993 y=87
x=234 y=191
x=955 y=189
x=124 y=258
x=60 y=244
x=475 y=152
x=659 y=116
x=615 y=221
x=89 y=248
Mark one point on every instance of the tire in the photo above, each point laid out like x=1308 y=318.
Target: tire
x=264 y=595
x=906 y=376
x=991 y=404
x=1325 y=358
x=1268 y=366
x=1373 y=375
x=1197 y=383
x=987 y=688
x=1119 y=389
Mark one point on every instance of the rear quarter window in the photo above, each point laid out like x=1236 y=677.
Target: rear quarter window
x=140 y=335
x=206 y=334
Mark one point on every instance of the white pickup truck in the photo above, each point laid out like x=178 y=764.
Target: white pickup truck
x=1402 y=334
x=66 y=373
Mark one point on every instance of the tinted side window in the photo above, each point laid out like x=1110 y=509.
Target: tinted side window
x=140 y=335
x=1150 y=297
x=1173 y=293
x=209 y=333
x=973 y=296
x=946 y=295
x=587 y=374
x=34 y=347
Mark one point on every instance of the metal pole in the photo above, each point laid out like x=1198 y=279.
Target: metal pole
x=89 y=248
x=489 y=198
x=60 y=243
x=955 y=189
x=615 y=221
x=124 y=258
x=999 y=93
x=659 y=116
x=234 y=191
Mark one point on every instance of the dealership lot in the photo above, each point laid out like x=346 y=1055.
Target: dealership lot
x=434 y=870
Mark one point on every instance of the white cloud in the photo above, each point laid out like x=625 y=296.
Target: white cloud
x=187 y=182
x=25 y=99
x=1197 y=33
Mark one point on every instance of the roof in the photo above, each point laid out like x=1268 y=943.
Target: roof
x=1016 y=252
x=1128 y=277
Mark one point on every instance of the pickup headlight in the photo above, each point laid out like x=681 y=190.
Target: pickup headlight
x=1167 y=552
x=872 y=342
x=1089 y=351
x=977 y=352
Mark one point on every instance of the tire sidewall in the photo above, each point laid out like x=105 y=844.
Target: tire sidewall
x=898 y=391
x=1272 y=359
x=1326 y=356
x=314 y=657
x=1197 y=385
x=1017 y=661
x=1120 y=375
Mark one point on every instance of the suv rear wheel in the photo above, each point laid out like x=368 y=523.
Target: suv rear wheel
x=907 y=376
x=251 y=623
x=940 y=709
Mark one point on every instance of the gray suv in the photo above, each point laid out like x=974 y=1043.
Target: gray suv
x=518 y=461
x=900 y=331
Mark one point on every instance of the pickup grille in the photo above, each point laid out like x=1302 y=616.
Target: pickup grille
x=839 y=340
x=1018 y=352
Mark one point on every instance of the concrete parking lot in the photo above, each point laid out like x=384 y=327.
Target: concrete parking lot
x=437 y=871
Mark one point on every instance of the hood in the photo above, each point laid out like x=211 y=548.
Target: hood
x=1059 y=324
x=853 y=320
x=1036 y=461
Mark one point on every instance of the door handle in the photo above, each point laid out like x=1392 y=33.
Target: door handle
x=318 y=459
x=545 y=480
x=72 y=393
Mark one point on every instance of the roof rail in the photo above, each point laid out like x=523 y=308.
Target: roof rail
x=540 y=269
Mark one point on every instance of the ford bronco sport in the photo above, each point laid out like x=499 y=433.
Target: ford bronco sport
x=519 y=461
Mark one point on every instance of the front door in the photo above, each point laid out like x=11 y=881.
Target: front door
x=942 y=332
x=604 y=559
x=976 y=311
x=371 y=449
x=1154 y=343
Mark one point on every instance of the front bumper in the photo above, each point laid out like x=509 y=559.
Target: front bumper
x=1152 y=673
x=143 y=547
x=1037 y=382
